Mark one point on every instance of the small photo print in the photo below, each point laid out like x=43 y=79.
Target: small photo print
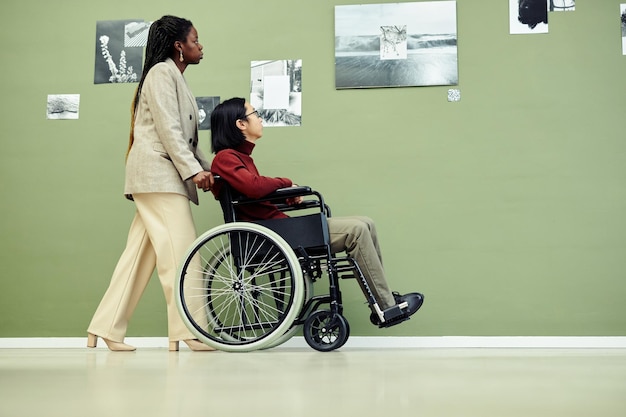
x=454 y=95
x=63 y=106
x=205 y=108
x=528 y=16
x=276 y=91
x=393 y=42
x=562 y=5
x=622 y=8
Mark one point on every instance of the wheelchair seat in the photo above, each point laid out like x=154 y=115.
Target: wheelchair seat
x=308 y=231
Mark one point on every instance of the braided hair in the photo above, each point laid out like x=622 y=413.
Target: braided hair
x=160 y=46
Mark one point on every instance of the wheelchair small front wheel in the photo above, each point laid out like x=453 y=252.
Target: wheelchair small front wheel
x=325 y=331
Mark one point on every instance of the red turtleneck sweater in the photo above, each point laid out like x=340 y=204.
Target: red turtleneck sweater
x=237 y=168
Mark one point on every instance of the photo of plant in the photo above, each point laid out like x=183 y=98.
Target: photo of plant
x=276 y=91
x=393 y=42
x=115 y=62
x=396 y=45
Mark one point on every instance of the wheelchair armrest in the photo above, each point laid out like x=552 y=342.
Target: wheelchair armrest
x=307 y=204
x=279 y=195
x=298 y=191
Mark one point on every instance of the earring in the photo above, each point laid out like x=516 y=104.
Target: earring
x=181 y=56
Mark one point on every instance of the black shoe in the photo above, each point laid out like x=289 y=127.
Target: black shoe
x=413 y=299
x=394 y=314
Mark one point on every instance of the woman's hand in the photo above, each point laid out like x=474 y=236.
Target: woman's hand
x=294 y=200
x=203 y=180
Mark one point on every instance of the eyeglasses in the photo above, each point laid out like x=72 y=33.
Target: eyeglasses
x=254 y=112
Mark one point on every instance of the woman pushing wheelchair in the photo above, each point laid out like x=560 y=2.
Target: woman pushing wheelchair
x=235 y=128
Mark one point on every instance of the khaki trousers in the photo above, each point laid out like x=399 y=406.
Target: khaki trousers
x=160 y=235
x=356 y=235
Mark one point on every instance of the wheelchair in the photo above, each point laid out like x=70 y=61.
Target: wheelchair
x=246 y=286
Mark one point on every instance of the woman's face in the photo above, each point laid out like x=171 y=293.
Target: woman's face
x=253 y=124
x=191 y=48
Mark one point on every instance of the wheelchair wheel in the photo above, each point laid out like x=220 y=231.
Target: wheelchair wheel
x=326 y=331
x=240 y=287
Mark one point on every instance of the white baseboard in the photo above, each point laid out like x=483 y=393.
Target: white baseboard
x=387 y=342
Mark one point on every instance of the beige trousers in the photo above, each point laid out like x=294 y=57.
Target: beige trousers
x=357 y=236
x=160 y=235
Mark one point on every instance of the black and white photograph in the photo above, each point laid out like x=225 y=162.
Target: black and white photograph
x=136 y=34
x=393 y=42
x=119 y=51
x=528 y=16
x=562 y=5
x=396 y=45
x=205 y=108
x=276 y=91
x=63 y=106
x=454 y=95
x=622 y=12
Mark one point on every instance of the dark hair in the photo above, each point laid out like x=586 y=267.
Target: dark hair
x=224 y=131
x=160 y=46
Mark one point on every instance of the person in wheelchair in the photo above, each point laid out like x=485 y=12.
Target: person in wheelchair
x=235 y=128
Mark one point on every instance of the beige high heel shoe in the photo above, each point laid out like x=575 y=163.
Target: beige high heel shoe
x=92 y=342
x=194 y=344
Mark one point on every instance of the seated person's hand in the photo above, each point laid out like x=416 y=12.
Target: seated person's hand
x=294 y=200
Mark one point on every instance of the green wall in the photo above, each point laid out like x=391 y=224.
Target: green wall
x=506 y=209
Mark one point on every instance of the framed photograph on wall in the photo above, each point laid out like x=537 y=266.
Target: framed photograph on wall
x=396 y=45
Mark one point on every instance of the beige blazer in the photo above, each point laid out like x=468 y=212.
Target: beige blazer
x=165 y=153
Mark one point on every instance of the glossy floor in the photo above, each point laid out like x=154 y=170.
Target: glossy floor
x=300 y=382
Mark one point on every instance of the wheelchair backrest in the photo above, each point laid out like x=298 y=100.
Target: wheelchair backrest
x=226 y=201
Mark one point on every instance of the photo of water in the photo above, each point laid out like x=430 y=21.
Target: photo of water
x=428 y=43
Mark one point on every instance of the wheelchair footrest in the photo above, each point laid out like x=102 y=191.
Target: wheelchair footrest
x=393 y=315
